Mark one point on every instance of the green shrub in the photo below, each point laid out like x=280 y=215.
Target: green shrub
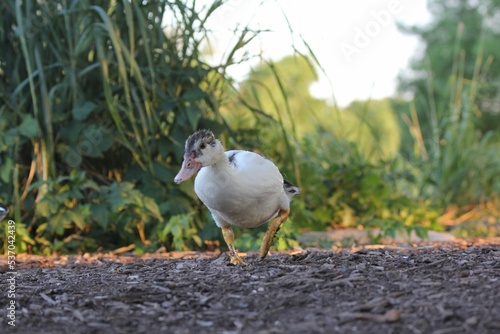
x=97 y=99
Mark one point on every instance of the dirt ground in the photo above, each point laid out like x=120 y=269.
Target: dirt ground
x=421 y=289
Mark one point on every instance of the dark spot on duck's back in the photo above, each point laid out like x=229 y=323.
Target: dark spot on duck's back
x=232 y=160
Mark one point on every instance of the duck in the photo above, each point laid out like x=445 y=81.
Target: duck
x=240 y=188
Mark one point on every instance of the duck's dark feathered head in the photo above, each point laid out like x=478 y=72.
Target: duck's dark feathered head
x=197 y=153
x=198 y=141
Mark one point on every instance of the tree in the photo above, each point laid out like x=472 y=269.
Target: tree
x=455 y=112
x=460 y=51
x=372 y=126
x=280 y=91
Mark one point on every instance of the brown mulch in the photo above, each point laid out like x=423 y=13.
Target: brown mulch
x=429 y=289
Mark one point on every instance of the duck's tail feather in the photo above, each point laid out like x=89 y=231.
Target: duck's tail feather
x=290 y=189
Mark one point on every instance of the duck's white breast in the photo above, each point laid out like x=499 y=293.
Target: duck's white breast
x=246 y=192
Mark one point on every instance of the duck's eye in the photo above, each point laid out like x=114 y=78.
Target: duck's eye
x=202 y=146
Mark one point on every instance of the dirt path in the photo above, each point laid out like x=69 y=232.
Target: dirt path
x=447 y=289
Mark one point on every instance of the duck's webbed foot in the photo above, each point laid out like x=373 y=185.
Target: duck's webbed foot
x=273 y=227
x=228 y=235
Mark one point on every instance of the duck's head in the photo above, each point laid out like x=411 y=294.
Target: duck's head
x=202 y=149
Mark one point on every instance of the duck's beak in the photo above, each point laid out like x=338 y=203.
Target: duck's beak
x=188 y=169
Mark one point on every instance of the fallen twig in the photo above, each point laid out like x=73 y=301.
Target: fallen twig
x=124 y=249
x=392 y=315
x=47 y=298
x=432 y=264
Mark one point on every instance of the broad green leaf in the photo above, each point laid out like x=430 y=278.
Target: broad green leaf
x=82 y=110
x=164 y=147
x=72 y=157
x=47 y=207
x=152 y=207
x=77 y=218
x=126 y=186
x=72 y=193
x=115 y=199
x=163 y=173
x=94 y=140
x=89 y=184
x=193 y=115
x=421 y=232
x=6 y=170
x=193 y=95
x=28 y=127
x=57 y=222
x=100 y=214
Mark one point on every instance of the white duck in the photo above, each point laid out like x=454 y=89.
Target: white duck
x=239 y=188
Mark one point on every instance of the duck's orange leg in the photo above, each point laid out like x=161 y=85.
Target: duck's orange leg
x=228 y=234
x=273 y=227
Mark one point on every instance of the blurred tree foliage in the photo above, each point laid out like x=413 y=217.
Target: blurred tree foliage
x=278 y=92
x=372 y=125
x=281 y=91
x=454 y=117
x=460 y=42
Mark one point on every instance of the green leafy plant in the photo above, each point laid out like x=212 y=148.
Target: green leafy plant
x=182 y=232
x=97 y=99
x=458 y=161
x=77 y=210
x=350 y=191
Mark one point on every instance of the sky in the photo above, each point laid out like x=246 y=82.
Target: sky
x=356 y=42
